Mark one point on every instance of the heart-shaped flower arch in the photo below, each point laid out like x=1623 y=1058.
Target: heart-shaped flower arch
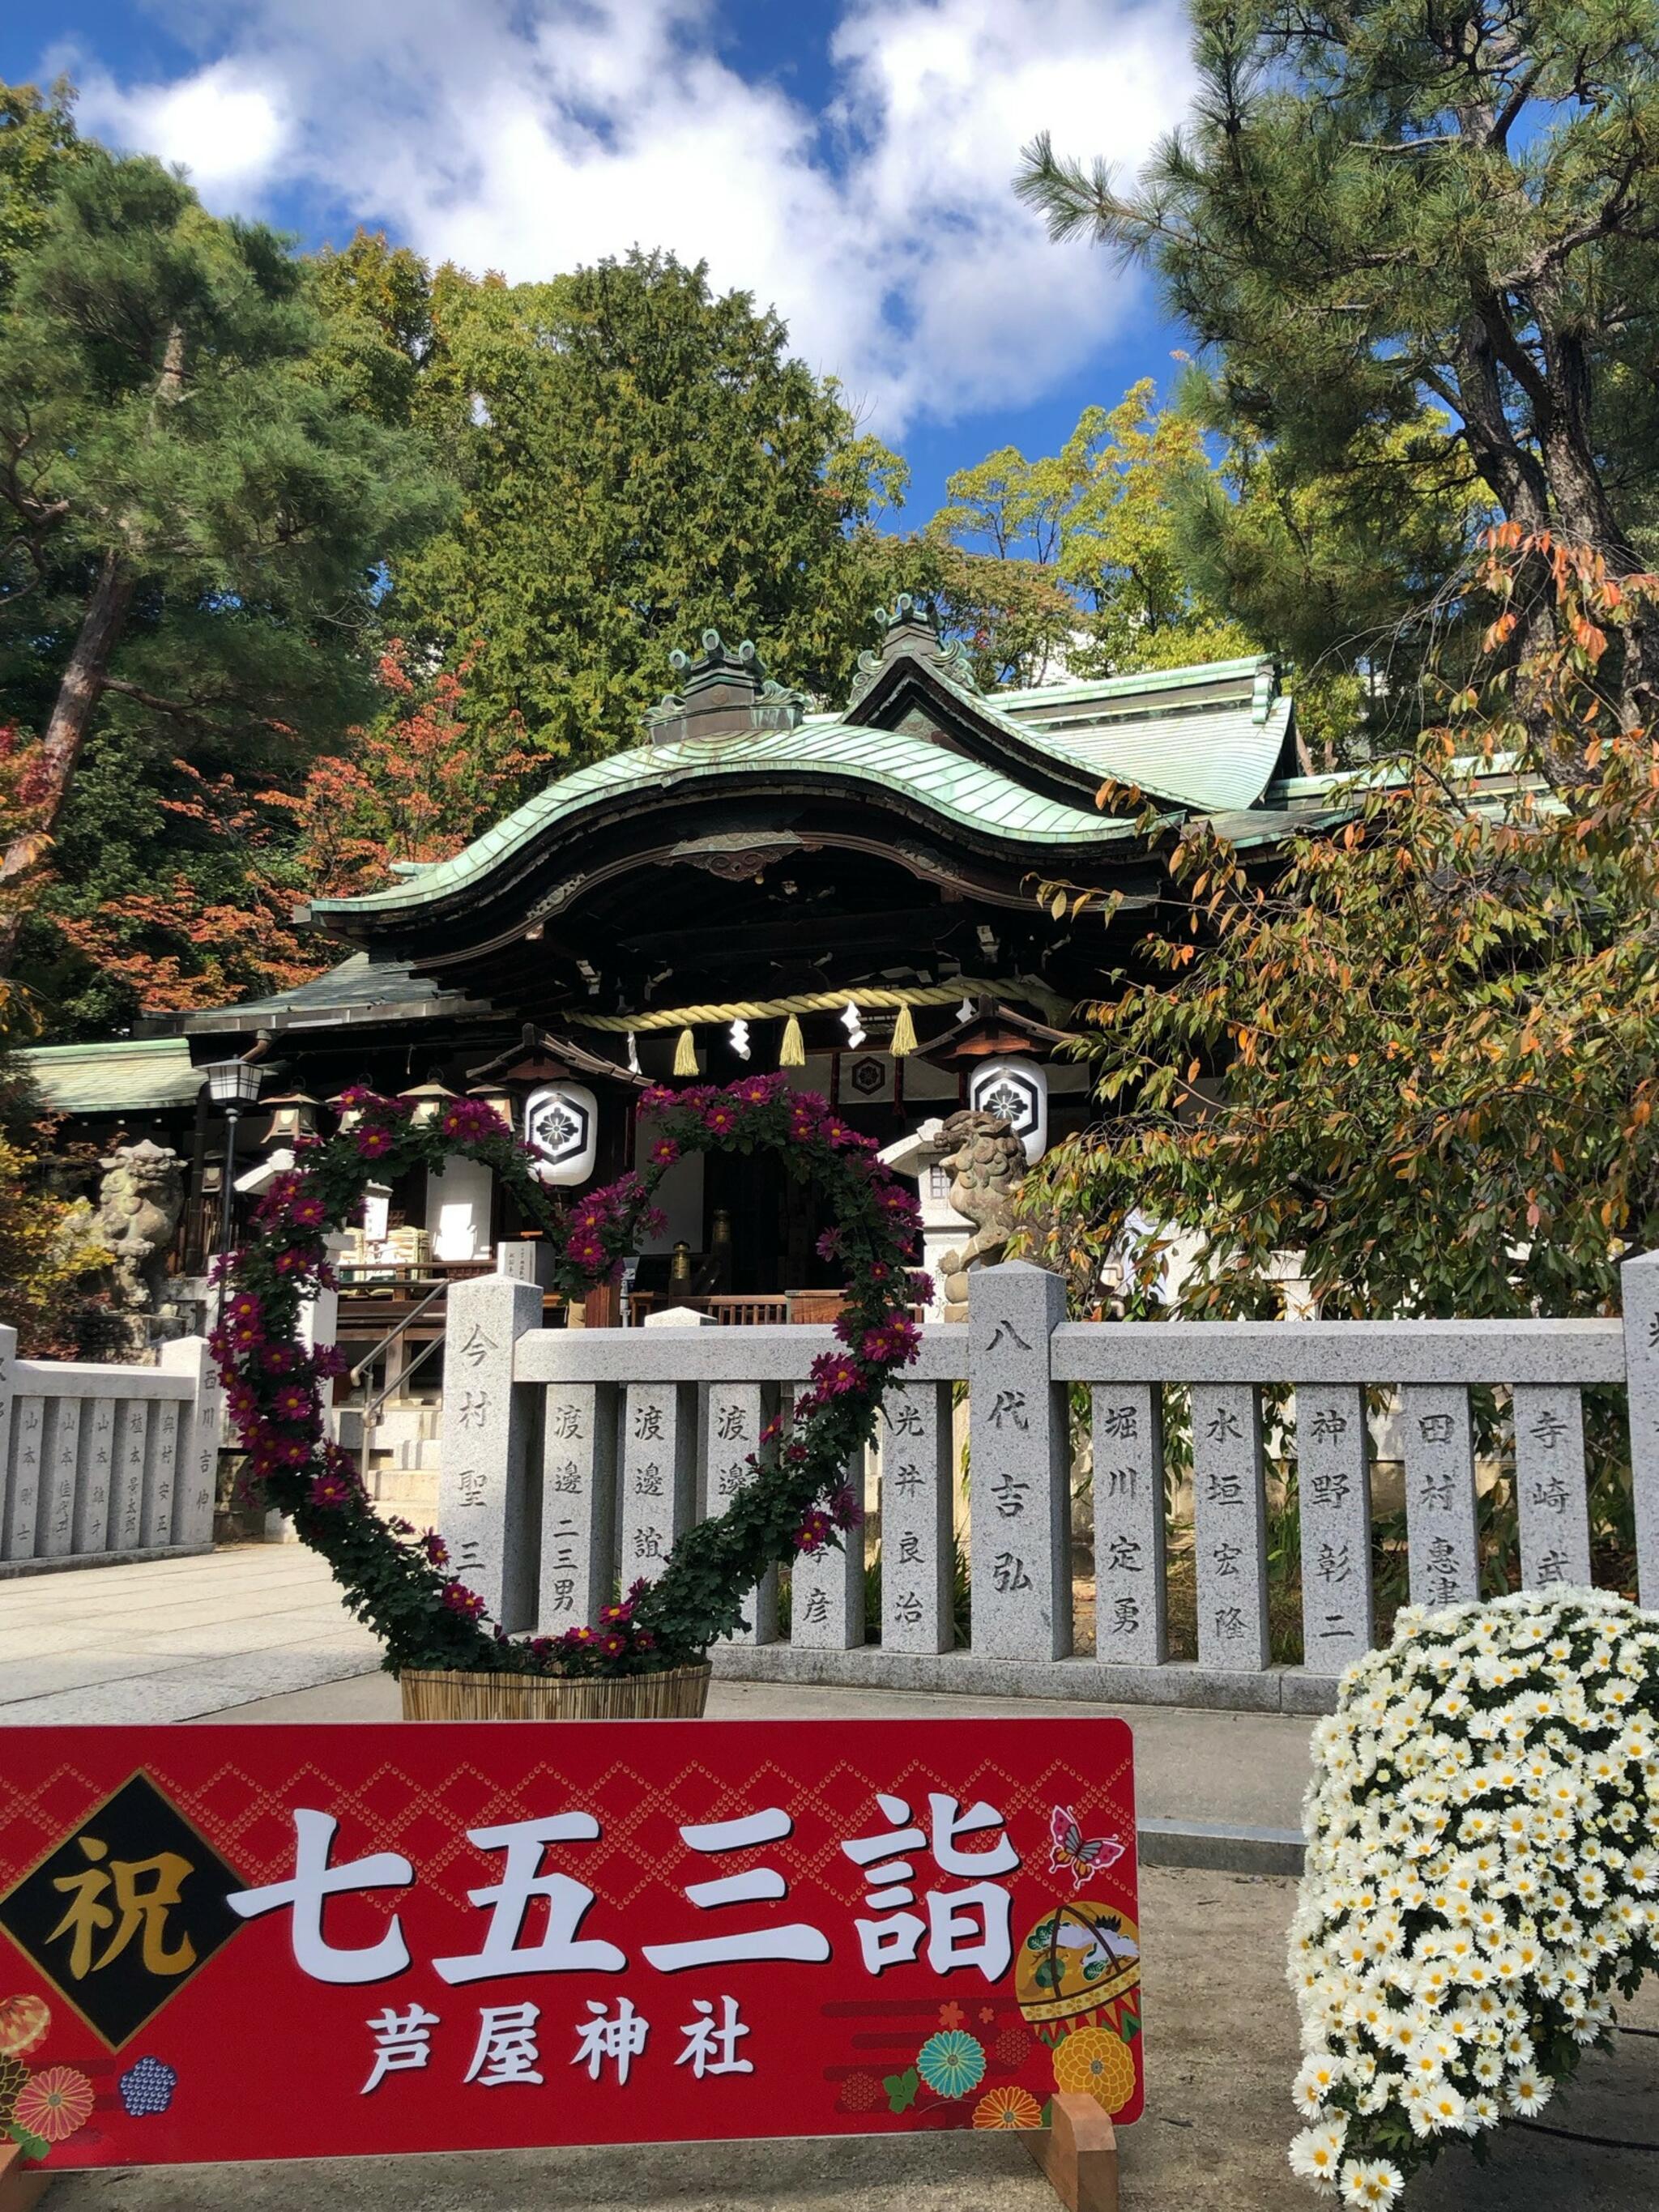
x=395 y=1580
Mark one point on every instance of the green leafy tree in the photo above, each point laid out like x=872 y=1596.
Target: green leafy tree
x=1419 y=1050
x=640 y=456
x=39 y=145
x=375 y=302
x=1344 y=575
x=1075 y=555
x=197 y=521
x=1389 y=201
x=51 y=1261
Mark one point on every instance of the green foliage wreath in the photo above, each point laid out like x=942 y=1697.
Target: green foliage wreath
x=396 y=1580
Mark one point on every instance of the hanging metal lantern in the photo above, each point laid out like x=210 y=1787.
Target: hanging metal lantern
x=350 y=1117
x=426 y=1101
x=293 y=1115
x=500 y=1101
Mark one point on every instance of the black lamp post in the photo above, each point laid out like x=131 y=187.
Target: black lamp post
x=232 y=1085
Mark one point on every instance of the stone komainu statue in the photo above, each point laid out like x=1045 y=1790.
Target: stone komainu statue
x=986 y=1163
x=139 y=1202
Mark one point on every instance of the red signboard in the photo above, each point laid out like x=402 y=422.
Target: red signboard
x=273 y=1942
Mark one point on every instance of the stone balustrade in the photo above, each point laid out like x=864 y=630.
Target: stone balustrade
x=99 y=1463
x=574 y=1458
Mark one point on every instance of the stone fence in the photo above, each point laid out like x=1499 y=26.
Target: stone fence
x=105 y=1463
x=574 y=1458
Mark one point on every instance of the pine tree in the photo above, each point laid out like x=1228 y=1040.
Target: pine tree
x=1388 y=202
x=197 y=521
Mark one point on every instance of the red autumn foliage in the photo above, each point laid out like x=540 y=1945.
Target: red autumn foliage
x=416 y=785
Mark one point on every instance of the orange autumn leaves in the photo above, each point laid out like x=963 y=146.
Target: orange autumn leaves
x=416 y=785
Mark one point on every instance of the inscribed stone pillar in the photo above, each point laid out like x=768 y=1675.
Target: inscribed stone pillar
x=1440 y=1494
x=1335 y=1500
x=160 y=1472
x=28 y=1424
x=1230 y=1527
x=918 y=1556
x=1549 y=1485
x=578 y=1505
x=826 y=1587
x=1017 y=1465
x=484 y=1507
x=1639 y=1295
x=54 y=1528
x=8 y=1386
x=737 y=1413
x=126 y=1495
x=201 y=1428
x=658 y=1474
x=92 y=1508
x=1127 y=1426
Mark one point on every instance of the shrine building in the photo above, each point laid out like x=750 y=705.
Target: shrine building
x=851 y=897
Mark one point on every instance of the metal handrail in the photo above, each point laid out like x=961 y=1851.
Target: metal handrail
x=392 y=1335
x=371 y=1409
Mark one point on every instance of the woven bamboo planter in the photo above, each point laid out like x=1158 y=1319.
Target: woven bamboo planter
x=677 y=1693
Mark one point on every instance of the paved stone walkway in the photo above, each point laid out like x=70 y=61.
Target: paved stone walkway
x=257 y=1632
x=174 y=1639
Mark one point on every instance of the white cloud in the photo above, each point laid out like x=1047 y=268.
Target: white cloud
x=230 y=132
x=527 y=137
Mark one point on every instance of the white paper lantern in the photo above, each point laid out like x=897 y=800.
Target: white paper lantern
x=562 y=1121
x=1018 y=1090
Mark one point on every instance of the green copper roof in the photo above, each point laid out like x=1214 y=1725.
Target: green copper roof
x=944 y=783
x=1208 y=736
x=1215 y=759
x=137 y=1075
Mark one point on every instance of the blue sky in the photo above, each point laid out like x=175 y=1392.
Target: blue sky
x=847 y=160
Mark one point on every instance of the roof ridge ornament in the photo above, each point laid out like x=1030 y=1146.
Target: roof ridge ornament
x=912 y=628
x=724 y=693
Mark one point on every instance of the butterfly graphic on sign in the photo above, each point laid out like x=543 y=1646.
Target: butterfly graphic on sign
x=1071 y=1853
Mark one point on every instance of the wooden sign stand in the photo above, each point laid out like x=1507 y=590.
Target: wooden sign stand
x=20 y=2191
x=1077 y=2153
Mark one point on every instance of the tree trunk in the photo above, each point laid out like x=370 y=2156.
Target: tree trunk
x=1585 y=512
x=71 y=714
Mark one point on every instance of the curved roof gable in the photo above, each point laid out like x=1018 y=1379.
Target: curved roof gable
x=1019 y=771
x=972 y=796
x=1210 y=737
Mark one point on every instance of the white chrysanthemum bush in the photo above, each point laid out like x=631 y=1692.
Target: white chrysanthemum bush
x=1482 y=1877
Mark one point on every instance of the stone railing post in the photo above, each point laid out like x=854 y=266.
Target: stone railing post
x=484 y=1506
x=1130 y=1593
x=734 y=1416
x=128 y=1458
x=28 y=1423
x=8 y=1384
x=578 y=1505
x=55 y=1529
x=92 y=1499
x=1018 y=1462
x=918 y=1556
x=1639 y=1284
x=201 y=1422
x=658 y=1501
x=1334 y=1494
